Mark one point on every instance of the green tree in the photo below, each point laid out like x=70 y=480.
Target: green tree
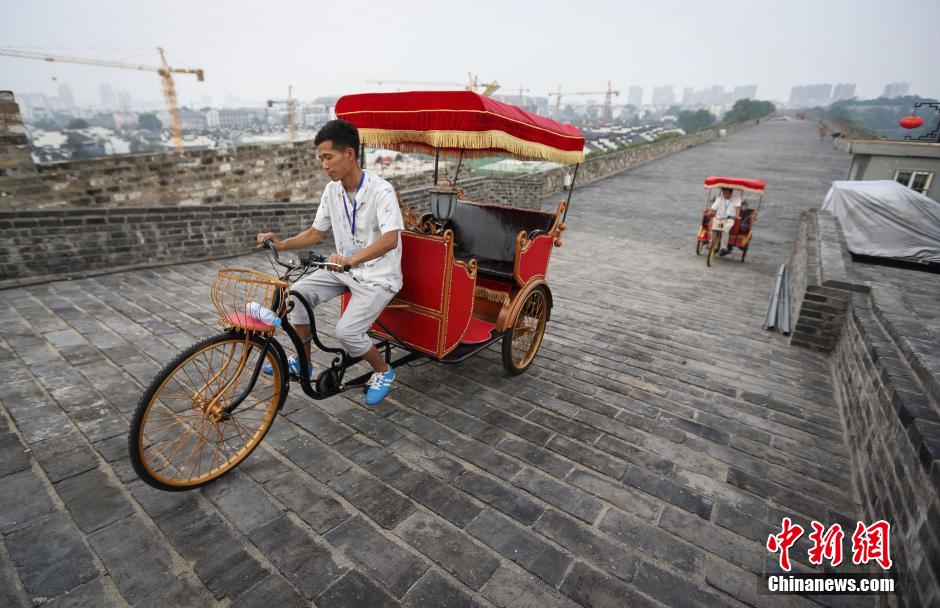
x=74 y=144
x=46 y=124
x=749 y=109
x=695 y=121
x=77 y=123
x=149 y=122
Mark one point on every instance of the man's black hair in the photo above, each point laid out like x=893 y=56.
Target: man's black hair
x=342 y=133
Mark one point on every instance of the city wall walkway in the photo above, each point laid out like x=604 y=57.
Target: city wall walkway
x=656 y=441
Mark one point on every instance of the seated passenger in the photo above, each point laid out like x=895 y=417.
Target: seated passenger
x=726 y=210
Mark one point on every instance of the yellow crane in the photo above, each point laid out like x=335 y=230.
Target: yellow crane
x=424 y=83
x=164 y=70
x=473 y=84
x=608 y=94
x=290 y=110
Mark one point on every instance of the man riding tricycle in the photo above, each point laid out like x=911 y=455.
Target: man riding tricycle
x=442 y=286
x=728 y=217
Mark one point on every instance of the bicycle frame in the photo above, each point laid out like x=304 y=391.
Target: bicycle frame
x=330 y=381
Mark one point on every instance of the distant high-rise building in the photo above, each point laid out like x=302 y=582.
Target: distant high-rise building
x=843 y=91
x=712 y=96
x=664 y=95
x=107 y=96
x=747 y=91
x=124 y=99
x=896 y=89
x=190 y=119
x=234 y=118
x=65 y=96
x=688 y=96
x=635 y=96
x=811 y=94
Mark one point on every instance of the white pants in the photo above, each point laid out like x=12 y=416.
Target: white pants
x=724 y=225
x=365 y=305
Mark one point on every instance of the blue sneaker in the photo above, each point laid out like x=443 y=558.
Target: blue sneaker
x=293 y=367
x=378 y=385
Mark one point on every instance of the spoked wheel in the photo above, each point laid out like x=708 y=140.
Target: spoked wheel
x=523 y=338
x=182 y=435
x=716 y=238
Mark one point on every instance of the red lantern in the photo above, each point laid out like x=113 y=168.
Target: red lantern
x=911 y=122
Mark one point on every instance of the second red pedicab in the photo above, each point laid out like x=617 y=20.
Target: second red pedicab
x=709 y=235
x=474 y=275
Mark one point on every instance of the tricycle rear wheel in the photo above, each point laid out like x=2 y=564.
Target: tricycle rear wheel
x=524 y=336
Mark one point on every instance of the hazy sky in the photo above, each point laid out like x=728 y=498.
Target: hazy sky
x=253 y=50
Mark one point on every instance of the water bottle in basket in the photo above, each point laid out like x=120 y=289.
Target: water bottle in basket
x=262 y=313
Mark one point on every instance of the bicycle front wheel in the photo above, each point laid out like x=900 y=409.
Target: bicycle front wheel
x=183 y=435
x=713 y=247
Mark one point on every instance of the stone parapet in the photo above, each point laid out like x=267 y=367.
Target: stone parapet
x=820 y=287
x=894 y=434
x=886 y=364
x=69 y=219
x=49 y=244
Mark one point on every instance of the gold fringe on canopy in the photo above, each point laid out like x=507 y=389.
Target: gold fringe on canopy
x=474 y=144
x=732 y=187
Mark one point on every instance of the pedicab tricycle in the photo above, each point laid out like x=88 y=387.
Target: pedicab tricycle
x=736 y=225
x=474 y=274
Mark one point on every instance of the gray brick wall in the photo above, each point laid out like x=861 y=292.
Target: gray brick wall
x=820 y=288
x=47 y=244
x=73 y=218
x=894 y=435
x=887 y=378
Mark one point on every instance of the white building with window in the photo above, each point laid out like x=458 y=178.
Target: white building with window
x=915 y=164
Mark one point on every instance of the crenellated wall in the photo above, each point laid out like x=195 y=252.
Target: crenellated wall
x=886 y=366
x=90 y=216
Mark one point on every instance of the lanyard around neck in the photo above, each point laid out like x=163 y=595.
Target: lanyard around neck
x=352 y=222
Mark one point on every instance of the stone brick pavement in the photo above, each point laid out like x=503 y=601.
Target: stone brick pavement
x=657 y=439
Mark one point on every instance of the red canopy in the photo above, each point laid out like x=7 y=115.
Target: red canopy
x=735 y=183
x=451 y=121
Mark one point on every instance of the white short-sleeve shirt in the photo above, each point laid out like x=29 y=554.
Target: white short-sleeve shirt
x=376 y=212
x=725 y=207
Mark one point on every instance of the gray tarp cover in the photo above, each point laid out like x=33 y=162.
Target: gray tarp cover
x=886 y=219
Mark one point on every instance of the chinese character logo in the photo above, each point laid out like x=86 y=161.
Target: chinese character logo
x=826 y=546
x=869 y=543
x=782 y=542
x=872 y=543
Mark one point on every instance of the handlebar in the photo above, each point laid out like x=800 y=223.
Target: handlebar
x=306 y=259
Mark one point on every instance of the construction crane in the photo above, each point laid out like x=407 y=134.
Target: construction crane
x=608 y=94
x=424 y=83
x=290 y=110
x=164 y=70
x=473 y=84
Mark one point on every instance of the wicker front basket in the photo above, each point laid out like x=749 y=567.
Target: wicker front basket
x=234 y=288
